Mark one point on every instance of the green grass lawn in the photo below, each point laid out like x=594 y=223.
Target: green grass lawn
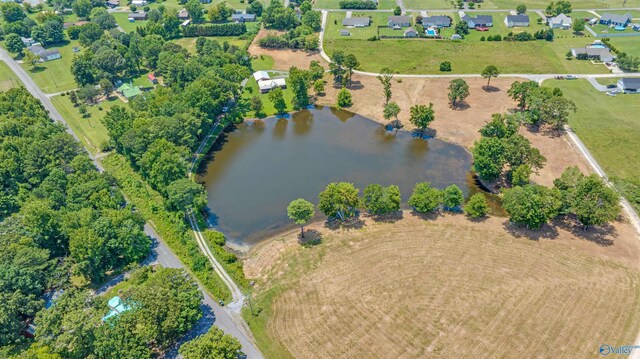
x=90 y=130
x=334 y=25
x=252 y=90
x=55 y=76
x=408 y=56
x=630 y=45
x=429 y=4
x=122 y=18
x=262 y=62
x=609 y=126
x=8 y=79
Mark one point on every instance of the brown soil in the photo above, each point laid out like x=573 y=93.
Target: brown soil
x=458 y=125
x=284 y=59
x=449 y=288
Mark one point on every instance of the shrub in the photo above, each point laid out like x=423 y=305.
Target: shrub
x=228 y=29
x=477 y=206
x=452 y=197
x=344 y=98
x=445 y=66
x=358 y=4
x=425 y=199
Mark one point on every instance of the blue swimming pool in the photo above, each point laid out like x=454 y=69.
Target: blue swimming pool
x=619 y=28
x=432 y=32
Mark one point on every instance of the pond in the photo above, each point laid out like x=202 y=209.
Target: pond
x=259 y=167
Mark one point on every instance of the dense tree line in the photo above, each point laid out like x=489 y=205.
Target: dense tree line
x=61 y=217
x=541 y=105
x=358 y=4
x=228 y=29
x=276 y=16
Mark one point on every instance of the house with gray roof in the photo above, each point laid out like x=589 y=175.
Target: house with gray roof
x=629 y=84
x=615 y=19
x=521 y=20
x=478 y=21
x=436 y=21
x=593 y=53
x=358 y=21
x=561 y=21
x=137 y=16
x=44 y=54
x=399 y=21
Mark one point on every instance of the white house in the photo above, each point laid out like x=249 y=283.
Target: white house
x=139 y=2
x=521 y=20
x=561 y=21
x=44 y=54
x=261 y=75
x=268 y=85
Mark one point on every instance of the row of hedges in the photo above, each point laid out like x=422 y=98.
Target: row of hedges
x=171 y=226
x=229 y=29
x=358 y=4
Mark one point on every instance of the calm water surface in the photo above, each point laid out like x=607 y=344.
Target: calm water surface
x=258 y=168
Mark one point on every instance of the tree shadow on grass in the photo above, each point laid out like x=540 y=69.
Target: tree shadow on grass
x=600 y=235
x=431 y=216
x=547 y=231
x=491 y=88
x=460 y=106
x=354 y=222
x=387 y=218
x=36 y=69
x=311 y=238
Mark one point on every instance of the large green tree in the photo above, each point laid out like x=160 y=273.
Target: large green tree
x=488 y=158
x=458 y=91
x=425 y=198
x=379 y=200
x=489 y=72
x=214 y=344
x=300 y=211
x=339 y=200
x=421 y=116
x=531 y=205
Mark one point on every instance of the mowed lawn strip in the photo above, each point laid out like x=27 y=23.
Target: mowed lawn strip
x=8 y=79
x=416 y=57
x=90 y=130
x=418 y=287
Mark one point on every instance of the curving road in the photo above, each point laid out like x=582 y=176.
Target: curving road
x=230 y=322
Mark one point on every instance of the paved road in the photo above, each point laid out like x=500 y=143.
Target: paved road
x=471 y=10
x=230 y=323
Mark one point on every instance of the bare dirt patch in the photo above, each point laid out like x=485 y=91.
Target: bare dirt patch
x=284 y=58
x=458 y=125
x=448 y=288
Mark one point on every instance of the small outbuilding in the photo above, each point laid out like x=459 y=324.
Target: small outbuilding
x=243 y=17
x=152 y=78
x=410 y=32
x=344 y=33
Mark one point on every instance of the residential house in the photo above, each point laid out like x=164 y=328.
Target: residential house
x=397 y=22
x=183 y=14
x=268 y=85
x=359 y=21
x=344 y=33
x=28 y=41
x=205 y=1
x=261 y=76
x=436 y=21
x=635 y=27
x=152 y=78
x=593 y=53
x=410 y=32
x=521 y=20
x=137 y=16
x=243 y=17
x=478 y=21
x=629 y=84
x=44 y=54
x=129 y=91
x=113 y=3
x=139 y=2
x=610 y=19
x=561 y=21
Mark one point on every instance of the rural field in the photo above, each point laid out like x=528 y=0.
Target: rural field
x=8 y=79
x=55 y=76
x=610 y=127
x=446 y=288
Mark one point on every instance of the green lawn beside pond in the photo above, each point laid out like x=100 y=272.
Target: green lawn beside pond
x=251 y=90
x=610 y=128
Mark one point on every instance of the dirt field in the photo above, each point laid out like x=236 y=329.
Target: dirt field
x=284 y=59
x=447 y=288
x=460 y=125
